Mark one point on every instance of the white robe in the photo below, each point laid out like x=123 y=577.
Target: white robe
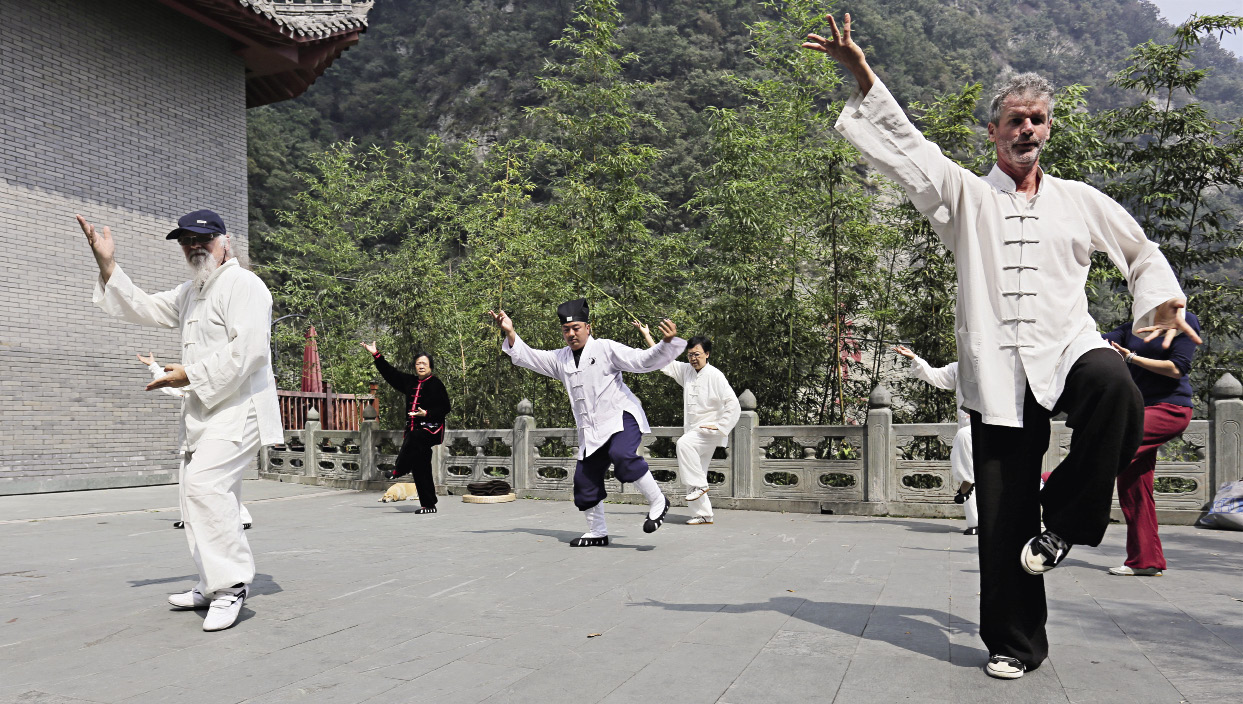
x=598 y=396
x=1022 y=315
x=707 y=399
x=225 y=330
x=962 y=465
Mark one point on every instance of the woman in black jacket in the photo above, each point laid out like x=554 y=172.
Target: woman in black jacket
x=427 y=404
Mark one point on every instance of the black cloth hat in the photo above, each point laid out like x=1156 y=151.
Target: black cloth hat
x=202 y=222
x=573 y=311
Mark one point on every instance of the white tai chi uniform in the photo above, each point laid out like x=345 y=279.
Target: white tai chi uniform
x=157 y=371
x=229 y=407
x=707 y=399
x=961 y=467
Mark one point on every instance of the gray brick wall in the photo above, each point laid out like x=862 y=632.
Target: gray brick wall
x=131 y=114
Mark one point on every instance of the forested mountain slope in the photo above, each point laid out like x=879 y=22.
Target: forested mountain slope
x=467 y=68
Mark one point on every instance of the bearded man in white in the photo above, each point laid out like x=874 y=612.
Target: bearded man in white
x=229 y=406
x=710 y=411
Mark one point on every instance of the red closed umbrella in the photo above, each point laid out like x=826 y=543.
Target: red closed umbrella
x=312 y=377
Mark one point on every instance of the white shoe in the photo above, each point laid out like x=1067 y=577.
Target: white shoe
x=1125 y=571
x=699 y=521
x=189 y=600
x=1004 y=668
x=696 y=494
x=224 y=609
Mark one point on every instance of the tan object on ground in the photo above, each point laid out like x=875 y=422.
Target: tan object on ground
x=472 y=499
x=400 y=492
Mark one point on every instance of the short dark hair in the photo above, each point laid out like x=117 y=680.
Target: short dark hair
x=702 y=341
x=431 y=361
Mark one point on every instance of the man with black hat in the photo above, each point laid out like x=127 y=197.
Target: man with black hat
x=609 y=418
x=229 y=408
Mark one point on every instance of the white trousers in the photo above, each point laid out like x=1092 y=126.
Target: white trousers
x=211 y=505
x=962 y=469
x=695 y=449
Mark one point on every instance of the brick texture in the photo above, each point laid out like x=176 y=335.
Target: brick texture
x=132 y=115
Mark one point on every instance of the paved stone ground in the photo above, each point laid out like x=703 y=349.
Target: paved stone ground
x=359 y=601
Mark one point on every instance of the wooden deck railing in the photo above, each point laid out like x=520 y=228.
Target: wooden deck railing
x=336 y=411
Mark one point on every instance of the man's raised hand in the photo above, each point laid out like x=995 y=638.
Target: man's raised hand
x=507 y=325
x=668 y=330
x=176 y=378
x=102 y=246
x=843 y=49
x=370 y=347
x=904 y=351
x=1170 y=318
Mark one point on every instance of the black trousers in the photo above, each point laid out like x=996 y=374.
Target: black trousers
x=1105 y=412
x=415 y=459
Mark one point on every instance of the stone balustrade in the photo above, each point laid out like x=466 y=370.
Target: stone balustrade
x=879 y=468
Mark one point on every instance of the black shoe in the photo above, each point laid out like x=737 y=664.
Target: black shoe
x=961 y=498
x=245 y=526
x=973 y=530
x=585 y=542
x=1004 y=668
x=427 y=509
x=651 y=524
x=1043 y=552
x=179 y=524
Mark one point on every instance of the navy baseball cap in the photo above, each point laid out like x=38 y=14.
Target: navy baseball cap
x=203 y=222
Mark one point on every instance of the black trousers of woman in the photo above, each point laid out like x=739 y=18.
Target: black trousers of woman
x=1105 y=411
x=415 y=458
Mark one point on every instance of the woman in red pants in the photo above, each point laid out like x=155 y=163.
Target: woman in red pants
x=1161 y=375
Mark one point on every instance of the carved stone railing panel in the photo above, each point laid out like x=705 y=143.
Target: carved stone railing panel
x=922 y=472
x=789 y=462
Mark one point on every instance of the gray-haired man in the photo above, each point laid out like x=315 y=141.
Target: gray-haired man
x=1027 y=347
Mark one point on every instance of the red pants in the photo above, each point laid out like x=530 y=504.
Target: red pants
x=1162 y=423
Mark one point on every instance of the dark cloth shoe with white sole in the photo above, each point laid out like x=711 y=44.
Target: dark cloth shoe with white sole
x=651 y=524
x=585 y=542
x=1043 y=552
x=1004 y=668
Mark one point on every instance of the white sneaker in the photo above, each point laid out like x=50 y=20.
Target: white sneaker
x=1125 y=571
x=189 y=600
x=1004 y=668
x=224 y=609
x=699 y=521
x=697 y=493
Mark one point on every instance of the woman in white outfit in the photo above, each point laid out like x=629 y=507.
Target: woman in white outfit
x=710 y=411
x=961 y=468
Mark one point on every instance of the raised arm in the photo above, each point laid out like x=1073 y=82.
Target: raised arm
x=673 y=370
x=628 y=359
x=396 y=378
x=521 y=354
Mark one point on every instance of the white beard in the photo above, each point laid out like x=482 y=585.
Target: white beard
x=202 y=266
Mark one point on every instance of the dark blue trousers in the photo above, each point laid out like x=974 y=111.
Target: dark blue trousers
x=621 y=451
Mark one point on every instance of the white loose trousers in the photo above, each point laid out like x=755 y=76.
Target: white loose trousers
x=210 y=495
x=695 y=449
x=962 y=469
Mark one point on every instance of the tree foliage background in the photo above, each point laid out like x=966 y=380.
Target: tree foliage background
x=677 y=159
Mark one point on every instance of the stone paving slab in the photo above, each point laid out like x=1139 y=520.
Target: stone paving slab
x=358 y=601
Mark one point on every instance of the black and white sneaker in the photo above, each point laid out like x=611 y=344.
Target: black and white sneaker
x=593 y=542
x=973 y=530
x=651 y=524
x=179 y=524
x=1043 y=552
x=1004 y=668
x=427 y=509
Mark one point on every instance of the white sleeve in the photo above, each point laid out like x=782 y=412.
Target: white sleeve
x=1149 y=277
x=877 y=127
x=120 y=298
x=541 y=361
x=942 y=377
x=732 y=410
x=156 y=372
x=248 y=319
x=629 y=359
x=676 y=371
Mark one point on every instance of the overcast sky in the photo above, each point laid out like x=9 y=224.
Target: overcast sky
x=1177 y=12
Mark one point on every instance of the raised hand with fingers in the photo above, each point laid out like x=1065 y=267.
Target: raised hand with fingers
x=102 y=246
x=507 y=325
x=370 y=347
x=645 y=331
x=1170 y=319
x=843 y=49
x=904 y=351
x=668 y=330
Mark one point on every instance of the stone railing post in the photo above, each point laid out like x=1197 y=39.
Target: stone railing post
x=522 y=449
x=742 y=447
x=367 y=430
x=310 y=450
x=1225 y=438
x=877 y=452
